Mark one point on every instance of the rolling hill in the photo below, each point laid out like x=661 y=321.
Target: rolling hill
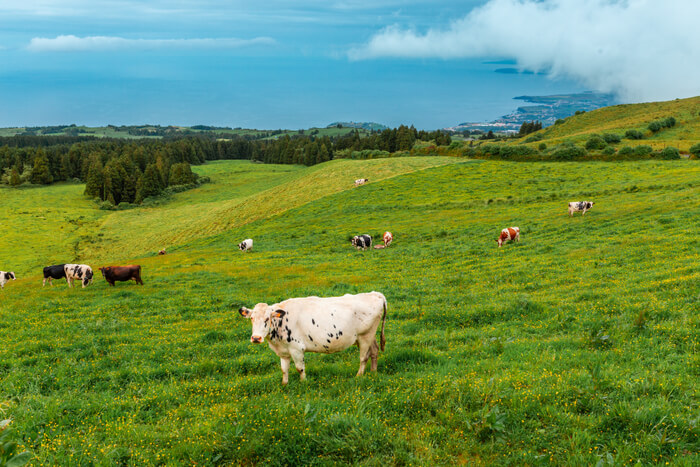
x=577 y=345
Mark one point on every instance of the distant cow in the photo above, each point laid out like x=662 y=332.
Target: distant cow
x=114 y=274
x=162 y=252
x=582 y=206
x=6 y=277
x=54 y=272
x=387 y=237
x=361 y=181
x=246 y=245
x=361 y=241
x=82 y=272
x=321 y=325
x=511 y=234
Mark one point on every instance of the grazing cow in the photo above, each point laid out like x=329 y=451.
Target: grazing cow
x=322 y=325
x=82 y=272
x=361 y=241
x=246 y=245
x=113 y=274
x=361 y=181
x=6 y=277
x=387 y=238
x=54 y=272
x=511 y=234
x=162 y=252
x=582 y=206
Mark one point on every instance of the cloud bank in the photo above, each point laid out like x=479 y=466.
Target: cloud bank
x=637 y=49
x=72 y=43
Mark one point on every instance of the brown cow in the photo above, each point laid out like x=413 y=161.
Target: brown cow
x=162 y=252
x=122 y=273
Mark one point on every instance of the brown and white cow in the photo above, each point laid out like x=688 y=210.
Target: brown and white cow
x=82 y=272
x=6 y=277
x=511 y=234
x=322 y=325
x=162 y=252
x=582 y=206
x=388 y=238
x=361 y=181
x=113 y=274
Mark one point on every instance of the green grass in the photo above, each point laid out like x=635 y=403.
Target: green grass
x=577 y=345
x=620 y=118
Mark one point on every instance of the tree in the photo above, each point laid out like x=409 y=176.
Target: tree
x=149 y=183
x=41 y=174
x=181 y=174
x=14 y=177
x=95 y=179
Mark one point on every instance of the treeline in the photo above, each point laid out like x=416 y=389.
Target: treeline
x=129 y=171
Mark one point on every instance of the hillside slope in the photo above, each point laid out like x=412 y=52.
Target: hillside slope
x=620 y=118
x=577 y=345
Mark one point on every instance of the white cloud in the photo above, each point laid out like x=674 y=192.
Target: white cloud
x=72 y=43
x=639 y=49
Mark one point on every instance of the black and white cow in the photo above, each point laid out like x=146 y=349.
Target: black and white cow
x=583 y=206
x=361 y=241
x=246 y=245
x=361 y=181
x=6 y=277
x=321 y=325
x=82 y=272
x=54 y=272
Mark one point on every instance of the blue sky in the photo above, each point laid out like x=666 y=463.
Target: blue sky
x=295 y=64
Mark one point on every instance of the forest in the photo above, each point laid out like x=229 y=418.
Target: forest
x=130 y=171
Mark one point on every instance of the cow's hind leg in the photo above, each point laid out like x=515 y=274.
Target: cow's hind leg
x=365 y=346
x=374 y=353
x=298 y=357
x=284 y=363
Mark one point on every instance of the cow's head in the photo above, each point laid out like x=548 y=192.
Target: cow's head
x=11 y=275
x=105 y=270
x=87 y=277
x=241 y=246
x=261 y=317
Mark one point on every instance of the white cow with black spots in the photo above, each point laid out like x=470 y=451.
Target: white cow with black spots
x=322 y=325
x=5 y=277
x=82 y=272
x=583 y=206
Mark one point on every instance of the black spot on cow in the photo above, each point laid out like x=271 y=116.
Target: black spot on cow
x=340 y=333
x=313 y=321
x=330 y=334
x=328 y=340
x=311 y=339
x=334 y=326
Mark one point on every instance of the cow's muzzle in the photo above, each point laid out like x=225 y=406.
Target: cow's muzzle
x=256 y=339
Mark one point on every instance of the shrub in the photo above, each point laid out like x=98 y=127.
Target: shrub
x=642 y=150
x=669 y=154
x=559 y=121
x=567 y=153
x=634 y=134
x=609 y=151
x=534 y=138
x=509 y=152
x=595 y=142
x=611 y=138
x=491 y=149
x=668 y=122
x=654 y=127
x=695 y=149
x=625 y=151
x=542 y=146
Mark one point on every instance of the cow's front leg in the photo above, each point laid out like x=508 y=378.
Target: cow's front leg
x=298 y=357
x=284 y=363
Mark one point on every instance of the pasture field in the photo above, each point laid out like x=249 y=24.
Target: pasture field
x=576 y=346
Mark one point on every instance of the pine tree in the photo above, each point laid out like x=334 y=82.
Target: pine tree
x=95 y=179
x=41 y=175
x=148 y=184
x=14 y=177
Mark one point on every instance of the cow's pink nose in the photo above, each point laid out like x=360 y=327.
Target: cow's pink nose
x=256 y=339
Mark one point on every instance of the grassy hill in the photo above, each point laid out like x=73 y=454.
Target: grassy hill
x=577 y=345
x=620 y=118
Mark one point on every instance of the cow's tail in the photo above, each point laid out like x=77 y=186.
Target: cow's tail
x=382 y=340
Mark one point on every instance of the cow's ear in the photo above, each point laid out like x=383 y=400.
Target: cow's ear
x=245 y=312
x=278 y=313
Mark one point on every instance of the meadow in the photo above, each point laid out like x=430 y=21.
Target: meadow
x=576 y=346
